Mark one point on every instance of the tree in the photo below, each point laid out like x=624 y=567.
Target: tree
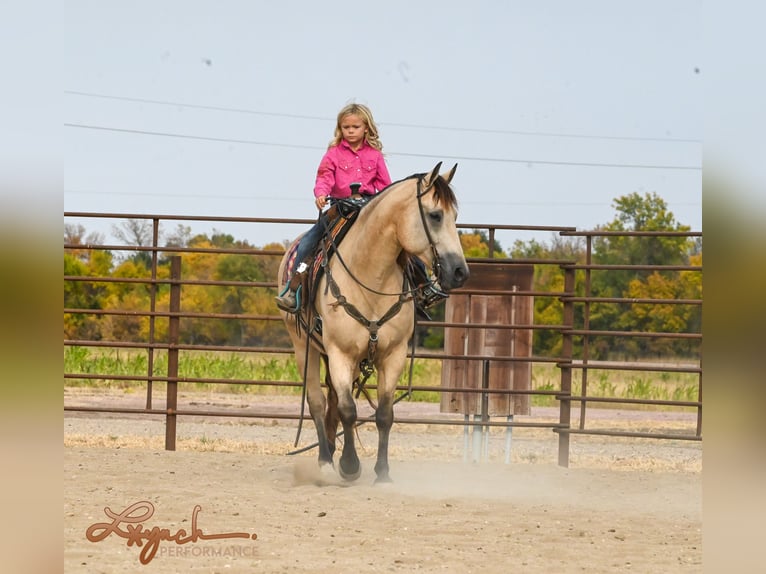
x=180 y=237
x=139 y=233
x=242 y=300
x=642 y=213
x=636 y=212
x=476 y=244
x=84 y=294
x=75 y=234
x=665 y=317
x=550 y=278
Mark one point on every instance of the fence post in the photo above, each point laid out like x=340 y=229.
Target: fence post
x=565 y=404
x=173 y=331
x=152 y=309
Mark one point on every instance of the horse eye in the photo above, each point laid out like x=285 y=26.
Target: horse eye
x=436 y=216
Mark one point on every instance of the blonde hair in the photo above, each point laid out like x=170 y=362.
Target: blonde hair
x=371 y=137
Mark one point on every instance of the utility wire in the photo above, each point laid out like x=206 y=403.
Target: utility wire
x=402 y=154
x=302 y=198
x=402 y=125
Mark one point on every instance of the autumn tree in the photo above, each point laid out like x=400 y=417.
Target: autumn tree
x=84 y=294
x=476 y=244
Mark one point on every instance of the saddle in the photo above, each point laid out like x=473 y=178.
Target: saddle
x=337 y=220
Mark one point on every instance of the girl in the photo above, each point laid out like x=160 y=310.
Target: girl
x=354 y=156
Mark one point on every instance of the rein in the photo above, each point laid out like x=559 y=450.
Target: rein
x=436 y=266
x=404 y=295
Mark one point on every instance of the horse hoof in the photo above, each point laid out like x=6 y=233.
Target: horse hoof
x=350 y=475
x=383 y=480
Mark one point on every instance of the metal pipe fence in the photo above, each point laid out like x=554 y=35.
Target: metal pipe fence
x=573 y=330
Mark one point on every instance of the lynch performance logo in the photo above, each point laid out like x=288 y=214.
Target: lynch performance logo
x=129 y=524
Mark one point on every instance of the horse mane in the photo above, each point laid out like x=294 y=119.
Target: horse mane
x=443 y=193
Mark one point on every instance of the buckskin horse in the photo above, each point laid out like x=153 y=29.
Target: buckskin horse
x=362 y=313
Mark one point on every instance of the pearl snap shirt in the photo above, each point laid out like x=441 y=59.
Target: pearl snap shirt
x=342 y=166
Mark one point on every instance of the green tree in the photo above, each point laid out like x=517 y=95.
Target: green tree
x=635 y=212
x=241 y=300
x=550 y=278
x=641 y=213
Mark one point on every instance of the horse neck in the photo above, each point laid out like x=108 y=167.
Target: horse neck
x=371 y=247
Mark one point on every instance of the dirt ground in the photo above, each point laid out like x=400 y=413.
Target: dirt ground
x=623 y=505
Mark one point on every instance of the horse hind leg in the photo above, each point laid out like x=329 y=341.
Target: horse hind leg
x=332 y=417
x=309 y=365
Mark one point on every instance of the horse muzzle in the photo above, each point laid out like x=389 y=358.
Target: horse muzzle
x=453 y=271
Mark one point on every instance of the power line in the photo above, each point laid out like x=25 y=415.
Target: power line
x=282 y=198
x=190 y=136
x=185 y=195
x=401 y=154
x=395 y=124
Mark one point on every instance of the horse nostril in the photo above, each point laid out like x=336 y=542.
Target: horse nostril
x=461 y=275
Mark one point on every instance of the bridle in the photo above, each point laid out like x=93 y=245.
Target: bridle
x=435 y=264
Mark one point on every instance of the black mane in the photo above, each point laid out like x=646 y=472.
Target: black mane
x=443 y=193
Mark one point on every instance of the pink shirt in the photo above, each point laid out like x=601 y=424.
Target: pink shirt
x=341 y=166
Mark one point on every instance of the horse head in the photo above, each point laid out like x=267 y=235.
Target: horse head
x=434 y=238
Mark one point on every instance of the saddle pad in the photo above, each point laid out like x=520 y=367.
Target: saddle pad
x=292 y=252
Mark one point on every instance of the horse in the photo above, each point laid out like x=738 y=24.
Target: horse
x=365 y=306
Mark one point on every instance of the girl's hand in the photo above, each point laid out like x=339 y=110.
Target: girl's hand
x=321 y=201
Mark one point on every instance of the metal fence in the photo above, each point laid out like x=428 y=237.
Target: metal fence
x=573 y=327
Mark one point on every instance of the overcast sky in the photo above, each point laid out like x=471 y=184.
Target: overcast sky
x=552 y=109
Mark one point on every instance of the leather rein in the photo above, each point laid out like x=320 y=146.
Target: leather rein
x=404 y=295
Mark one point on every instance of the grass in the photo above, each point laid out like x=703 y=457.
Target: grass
x=260 y=367
x=664 y=386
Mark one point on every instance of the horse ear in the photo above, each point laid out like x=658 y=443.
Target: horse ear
x=450 y=174
x=434 y=174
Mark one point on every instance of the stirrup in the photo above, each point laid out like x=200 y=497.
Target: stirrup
x=284 y=306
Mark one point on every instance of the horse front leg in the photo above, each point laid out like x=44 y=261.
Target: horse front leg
x=350 y=468
x=388 y=376
x=384 y=419
x=342 y=376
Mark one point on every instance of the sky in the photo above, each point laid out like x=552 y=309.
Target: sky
x=551 y=109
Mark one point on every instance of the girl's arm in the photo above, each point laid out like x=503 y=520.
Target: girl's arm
x=325 y=180
x=382 y=179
